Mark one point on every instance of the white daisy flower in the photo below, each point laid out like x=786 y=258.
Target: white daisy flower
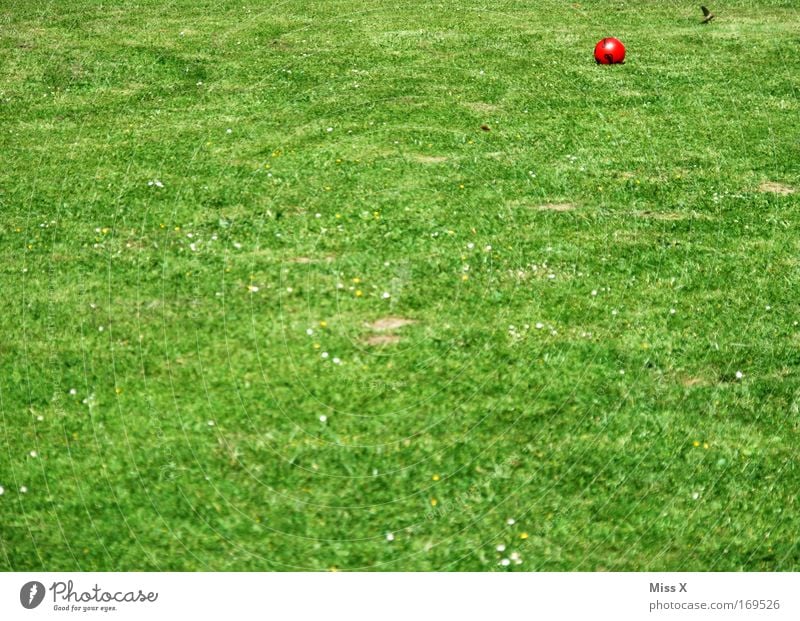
x=386 y=295
x=2 y=490
x=211 y=423
x=389 y=536
x=252 y=288
x=511 y=521
x=309 y=332
x=501 y=548
x=33 y=454
x=323 y=418
x=505 y=562
x=739 y=375
x=23 y=490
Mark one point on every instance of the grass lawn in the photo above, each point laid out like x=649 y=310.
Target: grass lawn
x=272 y=299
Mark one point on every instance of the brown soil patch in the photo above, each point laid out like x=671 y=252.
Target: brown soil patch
x=557 y=207
x=776 y=188
x=383 y=339
x=670 y=216
x=389 y=323
x=690 y=382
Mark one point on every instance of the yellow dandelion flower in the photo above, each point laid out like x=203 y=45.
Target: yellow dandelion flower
x=435 y=477
x=359 y=293
x=118 y=390
x=316 y=345
x=356 y=281
x=523 y=535
x=464 y=277
x=323 y=324
x=434 y=502
x=695 y=444
x=705 y=445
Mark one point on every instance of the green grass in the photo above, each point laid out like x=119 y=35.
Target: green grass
x=617 y=435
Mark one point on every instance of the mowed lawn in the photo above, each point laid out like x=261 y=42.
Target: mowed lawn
x=272 y=299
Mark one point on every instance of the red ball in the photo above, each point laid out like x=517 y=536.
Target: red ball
x=609 y=51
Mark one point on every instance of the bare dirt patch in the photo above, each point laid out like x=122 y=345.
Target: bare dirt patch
x=776 y=188
x=307 y=260
x=383 y=339
x=389 y=323
x=669 y=216
x=690 y=382
x=557 y=207
x=430 y=159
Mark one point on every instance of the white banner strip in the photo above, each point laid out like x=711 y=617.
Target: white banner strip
x=400 y=596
